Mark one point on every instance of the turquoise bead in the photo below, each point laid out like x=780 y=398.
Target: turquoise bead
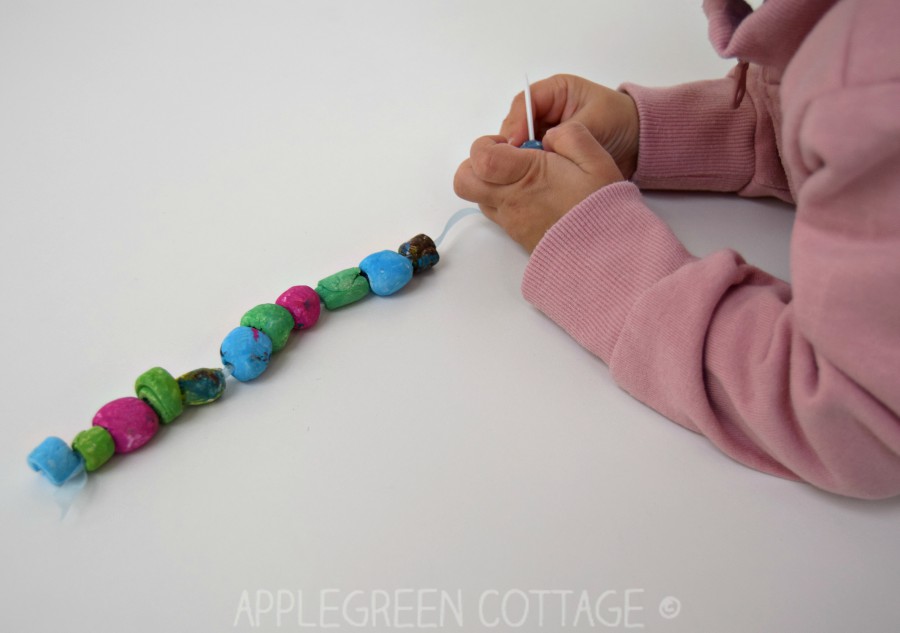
x=246 y=351
x=387 y=272
x=55 y=460
x=201 y=386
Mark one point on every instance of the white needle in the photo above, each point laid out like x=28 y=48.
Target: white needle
x=528 y=109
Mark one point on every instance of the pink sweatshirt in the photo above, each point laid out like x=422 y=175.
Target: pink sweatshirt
x=801 y=382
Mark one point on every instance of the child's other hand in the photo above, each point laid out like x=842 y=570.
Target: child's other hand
x=611 y=116
x=526 y=191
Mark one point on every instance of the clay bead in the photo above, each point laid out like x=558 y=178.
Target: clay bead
x=342 y=288
x=273 y=320
x=304 y=305
x=55 y=460
x=421 y=251
x=247 y=351
x=157 y=388
x=130 y=421
x=201 y=386
x=95 y=445
x=387 y=272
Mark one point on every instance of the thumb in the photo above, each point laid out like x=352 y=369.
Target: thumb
x=499 y=163
x=573 y=141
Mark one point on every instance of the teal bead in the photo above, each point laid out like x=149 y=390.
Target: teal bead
x=342 y=288
x=246 y=352
x=387 y=272
x=272 y=320
x=202 y=386
x=55 y=460
x=157 y=388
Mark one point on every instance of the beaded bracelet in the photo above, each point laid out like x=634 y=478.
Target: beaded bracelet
x=126 y=424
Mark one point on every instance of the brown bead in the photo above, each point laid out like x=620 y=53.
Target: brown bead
x=421 y=251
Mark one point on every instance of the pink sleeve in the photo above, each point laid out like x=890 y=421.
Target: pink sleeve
x=802 y=384
x=692 y=137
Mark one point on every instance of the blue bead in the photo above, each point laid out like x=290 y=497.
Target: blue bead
x=246 y=351
x=55 y=460
x=532 y=144
x=386 y=271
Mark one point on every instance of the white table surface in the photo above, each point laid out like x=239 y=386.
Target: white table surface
x=166 y=165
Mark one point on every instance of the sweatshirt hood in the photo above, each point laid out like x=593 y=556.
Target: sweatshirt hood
x=769 y=35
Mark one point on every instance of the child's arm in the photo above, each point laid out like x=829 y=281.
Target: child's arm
x=695 y=136
x=802 y=383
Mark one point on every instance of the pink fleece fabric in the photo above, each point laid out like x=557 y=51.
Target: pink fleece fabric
x=799 y=381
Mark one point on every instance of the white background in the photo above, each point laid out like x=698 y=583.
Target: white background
x=165 y=166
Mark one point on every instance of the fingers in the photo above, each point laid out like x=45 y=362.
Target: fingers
x=548 y=100
x=492 y=166
x=496 y=161
x=572 y=140
x=469 y=186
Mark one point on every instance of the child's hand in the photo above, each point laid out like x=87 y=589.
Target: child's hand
x=610 y=116
x=526 y=191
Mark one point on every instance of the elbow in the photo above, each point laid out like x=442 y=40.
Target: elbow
x=871 y=484
x=853 y=463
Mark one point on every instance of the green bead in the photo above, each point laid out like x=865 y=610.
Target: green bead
x=157 y=388
x=95 y=445
x=342 y=288
x=202 y=386
x=273 y=321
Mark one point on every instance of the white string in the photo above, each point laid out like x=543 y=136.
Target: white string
x=456 y=217
x=66 y=494
x=528 y=111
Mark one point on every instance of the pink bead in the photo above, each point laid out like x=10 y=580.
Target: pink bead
x=303 y=304
x=130 y=421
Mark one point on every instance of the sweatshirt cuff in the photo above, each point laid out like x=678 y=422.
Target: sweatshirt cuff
x=692 y=138
x=593 y=265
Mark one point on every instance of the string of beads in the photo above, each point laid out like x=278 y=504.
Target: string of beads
x=126 y=424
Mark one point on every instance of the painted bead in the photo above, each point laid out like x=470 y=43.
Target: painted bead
x=304 y=305
x=130 y=421
x=201 y=386
x=95 y=445
x=55 y=460
x=157 y=388
x=421 y=251
x=342 y=288
x=246 y=351
x=532 y=144
x=387 y=272
x=272 y=320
